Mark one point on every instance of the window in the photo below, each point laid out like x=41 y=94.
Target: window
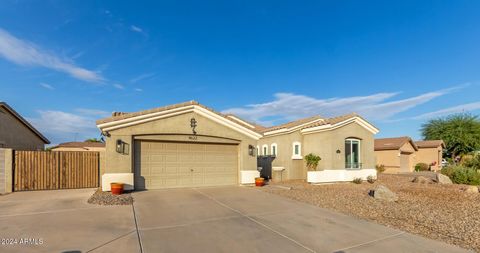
x=265 y=149
x=258 y=151
x=297 y=150
x=352 y=154
x=274 y=149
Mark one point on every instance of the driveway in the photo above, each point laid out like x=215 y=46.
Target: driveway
x=220 y=219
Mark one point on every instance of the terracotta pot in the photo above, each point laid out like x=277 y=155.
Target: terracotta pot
x=116 y=188
x=259 y=181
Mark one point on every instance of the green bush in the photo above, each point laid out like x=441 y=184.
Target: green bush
x=462 y=175
x=312 y=161
x=473 y=162
x=357 y=180
x=422 y=167
x=380 y=168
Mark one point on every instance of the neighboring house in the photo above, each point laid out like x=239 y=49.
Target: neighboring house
x=17 y=133
x=79 y=146
x=431 y=153
x=401 y=154
x=188 y=144
x=396 y=154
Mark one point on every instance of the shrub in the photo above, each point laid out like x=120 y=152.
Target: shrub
x=422 y=167
x=462 y=175
x=371 y=179
x=357 y=180
x=473 y=162
x=380 y=168
x=312 y=161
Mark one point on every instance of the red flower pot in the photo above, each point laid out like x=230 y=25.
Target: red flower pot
x=116 y=188
x=259 y=181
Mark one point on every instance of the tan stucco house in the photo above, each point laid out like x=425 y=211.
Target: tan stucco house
x=189 y=144
x=401 y=154
x=17 y=133
x=80 y=146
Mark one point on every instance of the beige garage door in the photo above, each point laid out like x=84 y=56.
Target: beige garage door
x=170 y=164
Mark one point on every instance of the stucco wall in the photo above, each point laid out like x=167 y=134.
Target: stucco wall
x=6 y=159
x=15 y=135
x=428 y=156
x=323 y=144
x=180 y=124
x=390 y=159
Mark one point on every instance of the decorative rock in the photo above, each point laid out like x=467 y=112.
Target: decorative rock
x=422 y=180
x=383 y=193
x=442 y=179
x=471 y=189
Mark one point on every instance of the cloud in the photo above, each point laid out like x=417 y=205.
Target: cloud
x=288 y=106
x=138 y=89
x=142 y=77
x=25 y=53
x=118 y=86
x=451 y=110
x=136 y=29
x=47 y=86
x=61 y=126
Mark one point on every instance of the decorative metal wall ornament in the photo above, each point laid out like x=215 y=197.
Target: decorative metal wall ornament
x=193 y=125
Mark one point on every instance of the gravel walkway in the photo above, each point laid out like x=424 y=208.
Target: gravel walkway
x=440 y=212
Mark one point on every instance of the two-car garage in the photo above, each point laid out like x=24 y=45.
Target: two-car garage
x=160 y=164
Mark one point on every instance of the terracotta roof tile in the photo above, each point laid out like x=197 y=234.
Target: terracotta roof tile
x=430 y=144
x=293 y=123
x=85 y=144
x=392 y=143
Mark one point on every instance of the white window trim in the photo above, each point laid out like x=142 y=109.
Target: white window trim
x=258 y=150
x=359 y=152
x=299 y=155
x=265 y=147
x=276 y=149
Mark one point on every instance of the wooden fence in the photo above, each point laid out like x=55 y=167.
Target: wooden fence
x=44 y=170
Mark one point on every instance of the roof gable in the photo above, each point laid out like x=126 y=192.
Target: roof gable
x=430 y=144
x=23 y=121
x=393 y=143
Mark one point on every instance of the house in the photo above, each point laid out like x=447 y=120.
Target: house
x=431 y=153
x=189 y=144
x=17 y=133
x=401 y=154
x=79 y=146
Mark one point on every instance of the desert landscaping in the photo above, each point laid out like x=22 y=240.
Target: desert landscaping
x=446 y=212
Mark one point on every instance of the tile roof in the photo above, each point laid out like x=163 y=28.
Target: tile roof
x=293 y=123
x=393 y=143
x=332 y=121
x=84 y=144
x=430 y=144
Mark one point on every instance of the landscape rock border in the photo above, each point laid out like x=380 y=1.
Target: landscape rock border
x=108 y=199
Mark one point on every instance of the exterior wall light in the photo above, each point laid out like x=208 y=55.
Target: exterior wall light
x=338 y=151
x=251 y=150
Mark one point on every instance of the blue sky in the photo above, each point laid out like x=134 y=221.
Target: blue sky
x=64 y=64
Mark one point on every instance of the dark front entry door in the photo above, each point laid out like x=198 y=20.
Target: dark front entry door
x=265 y=162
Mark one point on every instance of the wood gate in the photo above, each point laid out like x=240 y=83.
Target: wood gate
x=45 y=170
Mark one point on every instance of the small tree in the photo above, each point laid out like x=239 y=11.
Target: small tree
x=93 y=140
x=312 y=161
x=460 y=132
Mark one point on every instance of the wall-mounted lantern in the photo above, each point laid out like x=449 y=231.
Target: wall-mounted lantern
x=120 y=146
x=251 y=150
x=338 y=151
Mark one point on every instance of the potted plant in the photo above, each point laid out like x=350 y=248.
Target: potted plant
x=116 y=188
x=312 y=160
x=259 y=181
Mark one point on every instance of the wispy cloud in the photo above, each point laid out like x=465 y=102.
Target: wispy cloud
x=61 y=126
x=138 y=89
x=25 y=53
x=136 y=29
x=454 y=109
x=288 y=106
x=46 y=86
x=142 y=77
x=119 y=86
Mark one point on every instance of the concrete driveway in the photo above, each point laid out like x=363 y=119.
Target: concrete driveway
x=223 y=219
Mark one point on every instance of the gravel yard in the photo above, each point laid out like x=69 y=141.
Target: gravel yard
x=440 y=212
x=107 y=199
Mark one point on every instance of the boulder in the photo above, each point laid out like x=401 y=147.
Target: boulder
x=442 y=179
x=471 y=189
x=422 y=180
x=383 y=193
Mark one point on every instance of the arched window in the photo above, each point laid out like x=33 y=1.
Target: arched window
x=265 y=149
x=274 y=149
x=258 y=151
x=297 y=150
x=352 y=153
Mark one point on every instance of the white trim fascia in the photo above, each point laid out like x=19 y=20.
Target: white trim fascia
x=291 y=129
x=241 y=121
x=329 y=127
x=177 y=111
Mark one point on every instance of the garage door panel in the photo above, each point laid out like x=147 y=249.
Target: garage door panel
x=167 y=165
